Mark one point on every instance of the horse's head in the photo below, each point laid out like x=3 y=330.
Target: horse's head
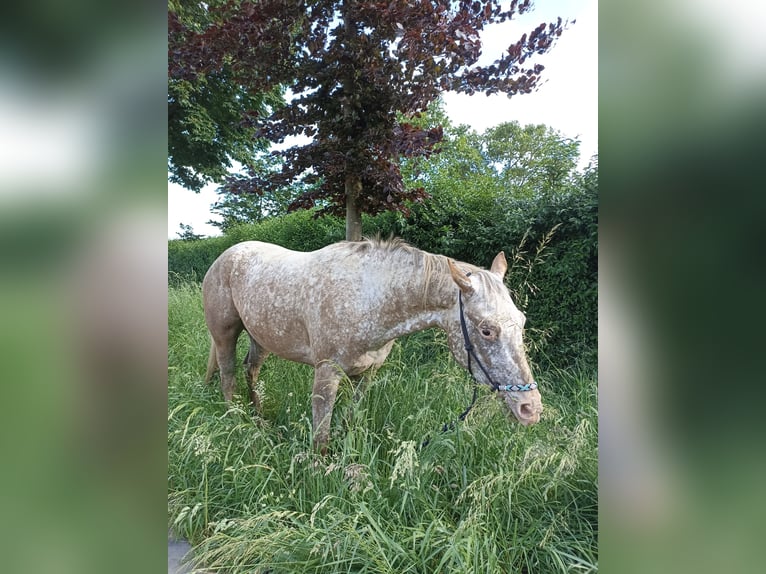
x=487 y=339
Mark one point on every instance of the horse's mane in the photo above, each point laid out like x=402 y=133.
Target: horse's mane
x=435 y=269
x=391 y=244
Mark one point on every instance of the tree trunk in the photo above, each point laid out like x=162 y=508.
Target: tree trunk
x=353 y=181
x=353 y=213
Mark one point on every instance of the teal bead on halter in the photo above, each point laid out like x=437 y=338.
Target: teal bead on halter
x=527 y=387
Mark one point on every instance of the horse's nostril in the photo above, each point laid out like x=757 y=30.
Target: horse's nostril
x=526 y=410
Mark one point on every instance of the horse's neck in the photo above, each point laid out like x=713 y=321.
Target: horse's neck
x=422 y=301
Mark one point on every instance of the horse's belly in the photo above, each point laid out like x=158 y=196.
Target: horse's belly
x=370 y=359
x=292 y=348
x=275 y=333
x=298 y=355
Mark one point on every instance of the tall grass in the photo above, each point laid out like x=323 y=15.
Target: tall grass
x=489 y=496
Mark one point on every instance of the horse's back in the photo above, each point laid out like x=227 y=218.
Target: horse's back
x=240 y=260
x=248 y=253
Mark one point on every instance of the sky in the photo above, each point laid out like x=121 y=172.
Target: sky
x=567 y=100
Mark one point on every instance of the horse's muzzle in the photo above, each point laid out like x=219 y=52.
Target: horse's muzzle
x=525 y=406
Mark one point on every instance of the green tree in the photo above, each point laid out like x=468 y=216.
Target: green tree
x=206 y=134
x=531 y=160
x=351 y=66
x=475 y=177
x=459 y=180
x=235 y=208
x=187 y=233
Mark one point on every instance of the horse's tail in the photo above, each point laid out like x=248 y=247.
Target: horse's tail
x=212 y=362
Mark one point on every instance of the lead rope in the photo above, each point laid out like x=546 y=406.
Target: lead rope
x=469 y=350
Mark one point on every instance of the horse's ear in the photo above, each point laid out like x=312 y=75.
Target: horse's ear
x=499 y=265
x=460 y=278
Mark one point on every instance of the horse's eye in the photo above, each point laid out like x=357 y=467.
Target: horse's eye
x=486 y=332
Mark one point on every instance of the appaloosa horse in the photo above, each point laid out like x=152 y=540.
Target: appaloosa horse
x=341 y=308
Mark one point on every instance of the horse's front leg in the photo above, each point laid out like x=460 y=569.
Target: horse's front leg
x=327 y=375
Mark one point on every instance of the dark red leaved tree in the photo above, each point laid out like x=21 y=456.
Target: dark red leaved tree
x=350 y=67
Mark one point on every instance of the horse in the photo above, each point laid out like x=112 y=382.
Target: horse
x=341 y=308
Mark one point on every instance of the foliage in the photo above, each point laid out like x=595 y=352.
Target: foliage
x=205 y=129
x=531 y=160
x=300 y=231
x=187 y=233
x=507 y=161
x=188 y=261
x=565 y=302
x=472 y=173
x=478 y=178
x=237 y=208
x=351 y=67
x=489 y=497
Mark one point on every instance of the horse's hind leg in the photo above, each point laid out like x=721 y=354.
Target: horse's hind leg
x=225 y=342
x=224 y=324
x=212 y=363
x=253 y=363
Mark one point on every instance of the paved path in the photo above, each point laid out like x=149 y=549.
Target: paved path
x=177 y=549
